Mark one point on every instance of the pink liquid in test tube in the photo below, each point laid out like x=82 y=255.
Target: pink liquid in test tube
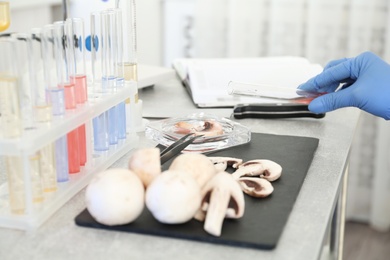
x=80 y=82
x=73 y=136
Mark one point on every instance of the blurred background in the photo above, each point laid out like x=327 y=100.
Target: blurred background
x=320 y=30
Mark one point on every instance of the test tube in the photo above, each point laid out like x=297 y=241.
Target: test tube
x=120 y=77
x=130 y=38
x=77 y=71
x=42 y=111
x=11 y=121
x=100 y=123
x=109 y=67
x=130 y=70
x=41 y=105
x=56 y=99
x=63 y=57
x=27 y=77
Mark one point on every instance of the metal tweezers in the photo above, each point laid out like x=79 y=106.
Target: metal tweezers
x=177 y=147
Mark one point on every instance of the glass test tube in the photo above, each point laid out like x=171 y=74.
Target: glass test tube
x=109 y=70
x=27 y=77
x=5 y=18
x=12 y=126
x=41 y=106
x=77 y=71
x=42 y=111
x=130 y=62
x=56 y=99
x=120 y=78
x=130 y=38
x=11 y=121
x=63 y=57
x=100 y=123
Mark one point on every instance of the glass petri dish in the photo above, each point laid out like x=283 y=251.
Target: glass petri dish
x=217 y=133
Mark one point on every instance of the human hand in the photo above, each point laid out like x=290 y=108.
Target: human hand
x=367 y=85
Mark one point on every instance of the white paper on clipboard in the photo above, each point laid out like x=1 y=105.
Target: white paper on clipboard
x=208 y=79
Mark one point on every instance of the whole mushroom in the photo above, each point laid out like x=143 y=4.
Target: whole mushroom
x=146 y=164
x=173 y=197
x=115 y=197
x=197 y=165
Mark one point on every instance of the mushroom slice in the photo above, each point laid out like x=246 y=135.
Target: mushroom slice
x=223 y=196
x=229 y=161
x=272 y=171
x=256 y=187
x=205 y=128
x=255 y=169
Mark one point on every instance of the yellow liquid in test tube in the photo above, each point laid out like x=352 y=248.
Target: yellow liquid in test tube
x=131 y=73
x=4 y=16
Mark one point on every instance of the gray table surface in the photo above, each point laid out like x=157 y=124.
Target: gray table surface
x=302 y=238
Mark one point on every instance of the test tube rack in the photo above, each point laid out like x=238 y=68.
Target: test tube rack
x=44 y=134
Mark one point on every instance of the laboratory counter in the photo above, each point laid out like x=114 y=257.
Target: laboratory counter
x=313 y=230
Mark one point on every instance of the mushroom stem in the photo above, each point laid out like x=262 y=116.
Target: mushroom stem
x=219 y=201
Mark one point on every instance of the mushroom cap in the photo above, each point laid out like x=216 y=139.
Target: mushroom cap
x=115 y=197
x=146 y=164
x=197 y=165
x=173 y=197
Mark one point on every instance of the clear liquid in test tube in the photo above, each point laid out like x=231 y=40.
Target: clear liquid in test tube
x=74 y=30
x=56 y=98
x=63 y=57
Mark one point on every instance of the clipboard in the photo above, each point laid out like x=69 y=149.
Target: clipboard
x=206 y=80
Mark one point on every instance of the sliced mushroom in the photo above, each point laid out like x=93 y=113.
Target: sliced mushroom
x=271 y=170
x=205 y=128
x=248 y=170
x=195 y=164
x=221 y=163
x=256 y=187
x=222 y=196
x=146 y=164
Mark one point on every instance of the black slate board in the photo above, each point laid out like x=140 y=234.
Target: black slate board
x=264 y=219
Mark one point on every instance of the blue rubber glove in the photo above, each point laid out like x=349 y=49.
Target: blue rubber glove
x=367 y=85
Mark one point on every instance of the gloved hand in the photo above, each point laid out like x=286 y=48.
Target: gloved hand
x=367 y=85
